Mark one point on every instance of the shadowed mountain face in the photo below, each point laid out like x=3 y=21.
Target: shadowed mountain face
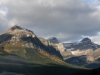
x=5 y=37
x=36 y=42
x=86 y=40
x=53 y=40
x=78 y=60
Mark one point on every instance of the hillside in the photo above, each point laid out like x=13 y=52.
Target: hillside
x=22 y=52
x=30 y=61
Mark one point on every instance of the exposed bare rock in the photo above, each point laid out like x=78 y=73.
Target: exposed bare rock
x=64 y=52
x=91 y=54
x=84 y=44
x=16 y=33
x=82 y=52
x=90 y=58
x=96 y=53
x=61 y=47
x=44 y=41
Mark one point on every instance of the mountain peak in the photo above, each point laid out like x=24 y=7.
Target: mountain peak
x=16 y=27
x=16 y=33
x=86 y=39
x=53 y=40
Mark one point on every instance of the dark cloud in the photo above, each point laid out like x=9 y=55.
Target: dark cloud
x=66 y=19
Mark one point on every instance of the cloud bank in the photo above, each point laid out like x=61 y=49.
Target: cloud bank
x=67 y=20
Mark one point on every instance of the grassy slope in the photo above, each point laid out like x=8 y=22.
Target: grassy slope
x=32 y=62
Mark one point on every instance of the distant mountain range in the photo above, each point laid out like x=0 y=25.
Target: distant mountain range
x=85 y=43
x=81 y=53
x=30 y=54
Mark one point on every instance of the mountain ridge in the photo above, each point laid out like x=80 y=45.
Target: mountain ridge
x=21 y=51
x=30 y=40
x=81 y=53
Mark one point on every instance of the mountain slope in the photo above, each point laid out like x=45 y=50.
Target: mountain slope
x=35 y=64
x=18 y=34
x=21 y=51
x=63 y=51
x=83 y=53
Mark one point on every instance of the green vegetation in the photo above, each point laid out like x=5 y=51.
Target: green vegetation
x=28 y=61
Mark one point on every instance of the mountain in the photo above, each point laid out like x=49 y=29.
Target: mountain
x=84 y=44
x=28 y=39
x=63 y=51
x=83 y=53
x=53 y=40
x=22 y=52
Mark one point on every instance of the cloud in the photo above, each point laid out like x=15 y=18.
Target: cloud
x=66 y=19
x=4 y=2
x=3 y=21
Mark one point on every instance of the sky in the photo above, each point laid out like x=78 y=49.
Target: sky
x=68 y=20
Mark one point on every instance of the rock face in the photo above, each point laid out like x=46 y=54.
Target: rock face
x=59 y=46
x=64 y=52
x=84 y=44
x=16 y=33
x=29 y=39
x=85 y=48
